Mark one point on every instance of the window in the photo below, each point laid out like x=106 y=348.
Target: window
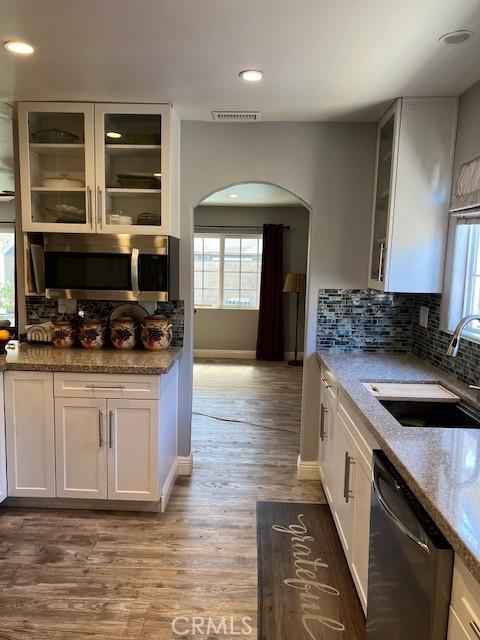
x=471 y=304
x=227 y=270
x=7 y=272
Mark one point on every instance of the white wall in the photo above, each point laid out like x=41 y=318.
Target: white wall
x=236 y=329
x=330 y=167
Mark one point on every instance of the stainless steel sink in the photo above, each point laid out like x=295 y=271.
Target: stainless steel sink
x=453 y=415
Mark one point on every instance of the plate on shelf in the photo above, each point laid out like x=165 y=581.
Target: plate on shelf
x=55 y=136
x=135 y=311
x=138 y=181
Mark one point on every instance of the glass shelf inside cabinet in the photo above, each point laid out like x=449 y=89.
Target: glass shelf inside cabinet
x=57 y=167
x=133 y=169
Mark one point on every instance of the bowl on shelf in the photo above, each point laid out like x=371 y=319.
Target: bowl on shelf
x=118 y=218
x=63 y=182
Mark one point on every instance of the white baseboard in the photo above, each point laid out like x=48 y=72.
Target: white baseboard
x=168 y=486
x=225 y=353
x=237 y=354
x=184 y=465
x=307 y=469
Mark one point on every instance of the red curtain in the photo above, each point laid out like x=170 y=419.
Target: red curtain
x=270 y=344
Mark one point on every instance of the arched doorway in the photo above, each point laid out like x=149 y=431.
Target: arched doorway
x=228 y=227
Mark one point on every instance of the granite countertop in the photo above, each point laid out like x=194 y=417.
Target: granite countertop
x=27 y=357
x=440 y=465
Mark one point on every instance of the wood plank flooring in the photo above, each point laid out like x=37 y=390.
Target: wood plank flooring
x=87 y=575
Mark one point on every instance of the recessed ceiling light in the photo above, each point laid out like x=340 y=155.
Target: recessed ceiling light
x=114 y=134
x=456 y=37
x=233 y=195
x=251 y=75
x=17 y=46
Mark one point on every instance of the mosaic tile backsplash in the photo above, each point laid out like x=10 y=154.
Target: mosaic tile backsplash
x=364 y=320
x=40 y=309
x=431 y=344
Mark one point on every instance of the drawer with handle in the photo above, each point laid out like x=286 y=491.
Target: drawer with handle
x=465 y=602
x=73 y=385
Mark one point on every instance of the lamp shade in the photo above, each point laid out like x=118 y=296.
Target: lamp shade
x=295 y=283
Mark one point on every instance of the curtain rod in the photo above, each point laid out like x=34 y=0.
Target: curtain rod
x=233 y=226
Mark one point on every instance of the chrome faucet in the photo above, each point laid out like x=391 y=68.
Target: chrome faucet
x=455 y=341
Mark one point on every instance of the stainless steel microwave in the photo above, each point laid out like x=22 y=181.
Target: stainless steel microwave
x=110 y=267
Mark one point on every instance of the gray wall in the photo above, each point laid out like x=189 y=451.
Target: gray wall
x=237 y=328
x=329 y=166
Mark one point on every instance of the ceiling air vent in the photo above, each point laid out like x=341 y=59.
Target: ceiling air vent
x=236 y=116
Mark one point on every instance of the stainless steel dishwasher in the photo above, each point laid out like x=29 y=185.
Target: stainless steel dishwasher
x=411 y=563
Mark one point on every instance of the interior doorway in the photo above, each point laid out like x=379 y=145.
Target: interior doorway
x=228 y=256
x=235 y=394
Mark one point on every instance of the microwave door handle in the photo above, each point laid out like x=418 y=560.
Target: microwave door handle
x=134 y=270
x=389 y=512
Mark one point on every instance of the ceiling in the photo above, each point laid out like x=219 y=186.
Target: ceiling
x=252 y=194
x=323 y=59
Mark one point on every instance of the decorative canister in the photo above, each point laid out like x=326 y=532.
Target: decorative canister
x=123 y=332
x=63 y=334
x=156 y=333
x=92 y=334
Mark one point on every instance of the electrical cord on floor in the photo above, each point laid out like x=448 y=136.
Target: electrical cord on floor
x=251 y=424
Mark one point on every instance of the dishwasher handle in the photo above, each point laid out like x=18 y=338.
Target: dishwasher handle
x=389 y=512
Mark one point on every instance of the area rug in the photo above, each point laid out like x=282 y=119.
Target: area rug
x=305 y=590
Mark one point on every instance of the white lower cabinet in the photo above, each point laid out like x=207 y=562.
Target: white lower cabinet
x=326 y=447
x=30 y=433
x=345 y=466
x=80 y=447
x=344 y=462
x=464 y=618
x=92 y=444
x=133 y=450
x=361 y=526
x=107 y=449
x=456 y=630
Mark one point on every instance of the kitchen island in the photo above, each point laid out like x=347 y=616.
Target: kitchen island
x=89 y=428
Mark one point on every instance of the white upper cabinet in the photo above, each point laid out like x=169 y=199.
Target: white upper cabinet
x=57 y=169
x=98 y=168
x=415 y=147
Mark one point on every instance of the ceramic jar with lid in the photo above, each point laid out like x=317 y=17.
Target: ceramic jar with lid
x=156 y=333
x=123 y=332
x=92 y=334
x=63 y=334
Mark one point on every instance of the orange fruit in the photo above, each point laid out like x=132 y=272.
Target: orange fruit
x=4 y=334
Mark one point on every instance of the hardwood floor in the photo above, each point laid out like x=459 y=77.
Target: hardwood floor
x=107 y=575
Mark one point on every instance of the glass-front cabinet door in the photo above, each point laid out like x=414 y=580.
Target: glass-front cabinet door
x=386 y=157
x=132 y=154
x=56 y=150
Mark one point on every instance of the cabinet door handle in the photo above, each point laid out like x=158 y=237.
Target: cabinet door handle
x=100 y=430
x=323 y=411
x=89 y=207
x=325 y=384
x=110 y=429
x=99 y=206
x=475 y=628
x=347 y=494
x=380 y=262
